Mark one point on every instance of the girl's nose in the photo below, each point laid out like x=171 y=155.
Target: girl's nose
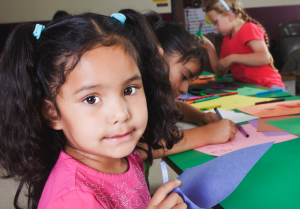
x=184 y=88
x=118 y=112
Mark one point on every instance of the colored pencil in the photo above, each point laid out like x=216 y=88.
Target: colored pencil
x=205 y=99
x=270 y=91
x=200 y=97
x=227 y=94
x=266 y=102
x=242 y=130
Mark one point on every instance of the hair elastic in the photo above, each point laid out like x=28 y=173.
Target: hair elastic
x=38 y=30
x=120 y=17
x=225 y=5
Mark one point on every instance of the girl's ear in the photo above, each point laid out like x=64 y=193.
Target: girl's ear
x=161 y=50
x=50 y=114
x=230 y=16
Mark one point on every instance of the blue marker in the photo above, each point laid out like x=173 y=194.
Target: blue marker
x=270 y=91
x=218 y=113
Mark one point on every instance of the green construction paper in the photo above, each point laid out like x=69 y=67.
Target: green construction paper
x=186 y=160
x=208 y=73
x=251 y=85
x=288 y=125
x=292 y=98
x=275 y=94
x=272 y=183
x=246 y=91
x=224 y=79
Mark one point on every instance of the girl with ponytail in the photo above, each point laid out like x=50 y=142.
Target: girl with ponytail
x=245 y=46
x=75 y=103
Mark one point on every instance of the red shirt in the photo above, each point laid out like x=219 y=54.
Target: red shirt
x=263 y=75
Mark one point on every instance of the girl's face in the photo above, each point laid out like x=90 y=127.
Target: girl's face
x=181 y=74
x=221 y=22
x=102 y=104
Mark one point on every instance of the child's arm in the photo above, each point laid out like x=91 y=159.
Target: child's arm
x=193 y=115
x=259 y=57
x=213 y=133
x=159 y=199
x=212 y=54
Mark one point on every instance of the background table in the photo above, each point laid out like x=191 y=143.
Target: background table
x=273 y=182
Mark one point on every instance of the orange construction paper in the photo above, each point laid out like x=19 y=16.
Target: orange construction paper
x=273 y=109
x=262 y=126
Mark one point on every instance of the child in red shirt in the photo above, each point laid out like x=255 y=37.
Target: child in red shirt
x=245 y=46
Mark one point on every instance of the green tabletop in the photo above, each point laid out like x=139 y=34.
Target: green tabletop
x=273 y=182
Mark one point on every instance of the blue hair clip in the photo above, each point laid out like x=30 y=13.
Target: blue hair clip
x=120 y=17
x=38 y=30
x=225 y=5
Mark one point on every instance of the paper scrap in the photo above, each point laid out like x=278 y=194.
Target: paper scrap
x=263 y=126
x=233 y=116
x=280 y=133
x=240 y=141
x=273 y=109
x=289 y=125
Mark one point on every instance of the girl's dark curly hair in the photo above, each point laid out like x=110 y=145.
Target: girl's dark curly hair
x=174 y=39
x=34 y=70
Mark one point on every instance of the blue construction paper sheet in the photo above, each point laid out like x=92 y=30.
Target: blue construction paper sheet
x=186 y=96
x=206 y=185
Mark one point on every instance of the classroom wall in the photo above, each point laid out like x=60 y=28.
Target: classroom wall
x=12 y=11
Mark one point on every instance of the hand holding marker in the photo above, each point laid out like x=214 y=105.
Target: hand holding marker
x=237 y=125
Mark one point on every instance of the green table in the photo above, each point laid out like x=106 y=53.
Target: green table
x=273 y=182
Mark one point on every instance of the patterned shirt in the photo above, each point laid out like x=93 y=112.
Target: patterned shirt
x=72 y=184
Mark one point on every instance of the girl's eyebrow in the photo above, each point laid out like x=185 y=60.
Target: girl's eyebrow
x=85 y=88
x=190 y=73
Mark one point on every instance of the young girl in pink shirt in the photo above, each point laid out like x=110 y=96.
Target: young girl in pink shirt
x=245 y=46
x=76 y=102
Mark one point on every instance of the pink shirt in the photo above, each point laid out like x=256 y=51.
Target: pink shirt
x=263 y=75
x=72 y=184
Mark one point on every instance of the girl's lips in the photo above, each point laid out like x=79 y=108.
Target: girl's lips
x=120 y=138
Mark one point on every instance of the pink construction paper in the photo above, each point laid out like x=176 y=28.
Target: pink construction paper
x=255 y=122
x=240 y=141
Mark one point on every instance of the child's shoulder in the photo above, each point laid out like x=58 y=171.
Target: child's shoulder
x=71 y=180
x=62 y=182
x=250 y=26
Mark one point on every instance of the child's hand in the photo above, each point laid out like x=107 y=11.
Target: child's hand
x=206 y=43
x=223 y=65
x=220 y=132
x=159 y=199
x=207 y=118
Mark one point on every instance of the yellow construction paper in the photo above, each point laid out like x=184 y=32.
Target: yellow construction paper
x=231 y=102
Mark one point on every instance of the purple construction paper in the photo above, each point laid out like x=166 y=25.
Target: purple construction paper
x=186 y=96
x=255 y=122
x=207 y=184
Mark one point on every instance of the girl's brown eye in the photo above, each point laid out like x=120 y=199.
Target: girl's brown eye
x=91 y=100
x=130 y=90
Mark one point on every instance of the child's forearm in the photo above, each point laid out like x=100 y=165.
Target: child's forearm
x=253 y=59
x=213 y=59
x=190 y=141
x=190 y=113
